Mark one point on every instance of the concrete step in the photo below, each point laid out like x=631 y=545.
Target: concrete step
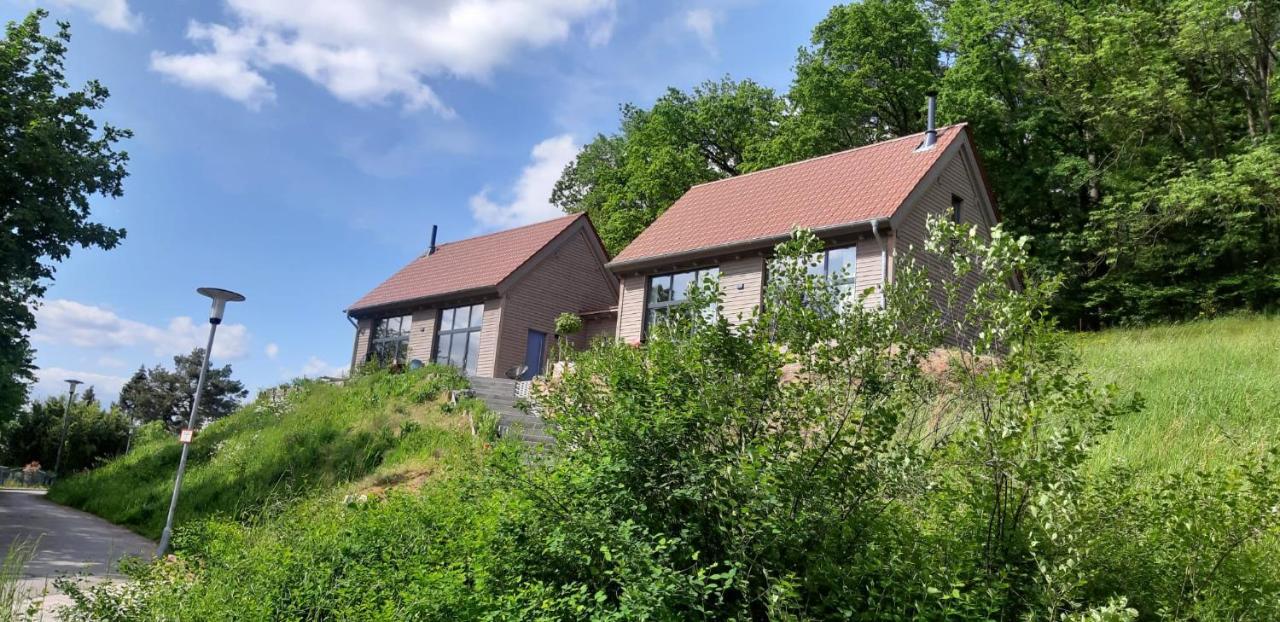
x=493 y=395
x=490 y=382
x=529 y=436
x=499 y=394
x=521 y=418
x=503 y=406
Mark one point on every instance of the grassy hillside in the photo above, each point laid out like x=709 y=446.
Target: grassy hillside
x=467 y=533
x=377 y=430
x=1212 y=391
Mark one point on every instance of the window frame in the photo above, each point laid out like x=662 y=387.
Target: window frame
x=664 y=306
x=957 y=204
x=851 y=280
x=826 y=263
x=379 y=340
x=470 y=359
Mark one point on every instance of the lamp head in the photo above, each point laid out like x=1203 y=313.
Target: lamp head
x=73 y=382
x=220 y=299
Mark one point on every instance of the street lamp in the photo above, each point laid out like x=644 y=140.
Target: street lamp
x=220 y=299
x=71 y=398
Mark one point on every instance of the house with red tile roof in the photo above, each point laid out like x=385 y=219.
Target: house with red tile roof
x=869 y=205
x=488 y=304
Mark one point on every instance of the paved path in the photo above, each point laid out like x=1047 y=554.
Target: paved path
x=71 y=542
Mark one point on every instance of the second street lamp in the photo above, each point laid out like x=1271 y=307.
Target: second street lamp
x=71 y=399
x=220 y=299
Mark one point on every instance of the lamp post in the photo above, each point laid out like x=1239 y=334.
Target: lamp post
x=220 y=299
x=71 y=398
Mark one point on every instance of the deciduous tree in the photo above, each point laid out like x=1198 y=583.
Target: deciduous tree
x=626 y=180
x=53 y=157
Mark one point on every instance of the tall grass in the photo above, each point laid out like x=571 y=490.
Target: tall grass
x=263 y=458
x=1211 y=391
x=13 y=599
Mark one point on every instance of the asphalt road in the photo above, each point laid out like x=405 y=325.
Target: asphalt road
x=71 y=542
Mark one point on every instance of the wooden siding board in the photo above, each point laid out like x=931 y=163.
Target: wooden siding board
x=909 y=240
x=568 y=280
x=741 y=284
x=422 y=335
x=490 y=338
x=631 y=308
x=868 y=272
x=595 y=328
x=364 y=329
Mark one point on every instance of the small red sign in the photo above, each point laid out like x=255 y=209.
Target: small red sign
x=186 y=435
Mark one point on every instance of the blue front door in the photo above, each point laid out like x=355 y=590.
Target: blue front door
x=535 y=353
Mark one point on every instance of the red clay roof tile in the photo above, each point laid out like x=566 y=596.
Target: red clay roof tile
x=848 y=187
x=466 y=265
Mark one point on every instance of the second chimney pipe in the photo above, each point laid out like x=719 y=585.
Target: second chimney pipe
x=931 y=126
x=432 y=249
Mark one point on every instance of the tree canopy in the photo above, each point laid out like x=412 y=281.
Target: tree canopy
x=93 y=435
x=1133 y=140
x=53 y=157
x=625 y=181
x=160 y=394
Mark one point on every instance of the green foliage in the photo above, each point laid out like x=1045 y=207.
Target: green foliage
x=94 y=434
x=1205 y=545
x=1199 y=242
x=53 y=157
x=568 y=324
x=1134 y=141
x=624 y=181
x=863 y=80
x=165 y=395
x=822 y=459
x=270 y=453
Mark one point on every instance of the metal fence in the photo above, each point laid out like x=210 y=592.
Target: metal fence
x=27 y=478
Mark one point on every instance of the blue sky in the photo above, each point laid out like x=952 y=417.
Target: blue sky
x=299 y=151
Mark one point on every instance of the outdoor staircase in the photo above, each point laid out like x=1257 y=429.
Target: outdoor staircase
x=499 y=394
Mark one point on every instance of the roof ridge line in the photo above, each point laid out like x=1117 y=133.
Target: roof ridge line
x=827 y=155
x=493 y=233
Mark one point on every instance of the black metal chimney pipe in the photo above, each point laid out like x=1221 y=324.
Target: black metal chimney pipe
x=931 y=125
x=432 y=249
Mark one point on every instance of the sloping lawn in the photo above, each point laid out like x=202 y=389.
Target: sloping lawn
x=1211 y=391
x=377 y=431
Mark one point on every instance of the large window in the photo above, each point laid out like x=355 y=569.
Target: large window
x=838 y=264
x=390 y=341
x=458 y=337
x=671 y=290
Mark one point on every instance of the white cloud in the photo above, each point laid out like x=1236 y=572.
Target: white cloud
x=225 y=70
x=702 y=22
x=531 y=196
x=52 y=381
x=316 y=367
x=372 y=51
x=87 y=326
x=272 y=350
x=114 y=14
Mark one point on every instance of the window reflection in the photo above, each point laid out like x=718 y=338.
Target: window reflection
x=458 y=337
x=389 y=342
x=669 y=291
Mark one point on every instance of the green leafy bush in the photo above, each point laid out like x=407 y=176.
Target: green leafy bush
x=568 y=324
